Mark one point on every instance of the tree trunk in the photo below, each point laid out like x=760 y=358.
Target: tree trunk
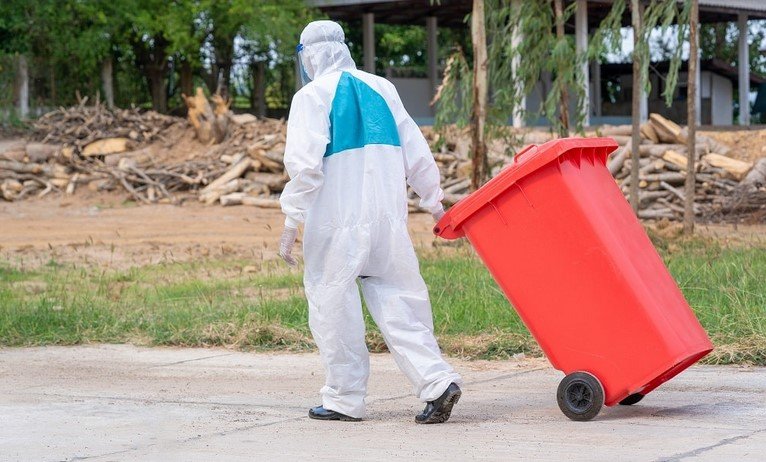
x=258 y=95
x=636 y=109
x=22 y=81
x=564 y=103
x=153 y=61
x=187 y=78
x=224 y=55
x=107 y=82
x=53 y=85
x=691 y=115
x=224 y=82
x=479 y=38
x=158 y=90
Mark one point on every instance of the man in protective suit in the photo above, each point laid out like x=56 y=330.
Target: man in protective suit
x=351 y=151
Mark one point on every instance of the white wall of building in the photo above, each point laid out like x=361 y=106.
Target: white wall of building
x=721 y=100
x=416 y=96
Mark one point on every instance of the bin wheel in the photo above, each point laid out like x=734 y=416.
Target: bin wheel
x=580 y=396
x=632 y=399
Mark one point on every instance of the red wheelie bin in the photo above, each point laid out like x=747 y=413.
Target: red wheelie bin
x=567 y=250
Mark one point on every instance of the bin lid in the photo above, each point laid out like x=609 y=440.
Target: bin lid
x=526 y=162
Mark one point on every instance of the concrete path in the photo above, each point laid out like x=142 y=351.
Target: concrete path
x=122 y=403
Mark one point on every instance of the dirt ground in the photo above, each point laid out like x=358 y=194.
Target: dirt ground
x=32 y=233
x=746 y=144
x=114 y=235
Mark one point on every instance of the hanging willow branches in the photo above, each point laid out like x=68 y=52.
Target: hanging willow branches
x=524 y=51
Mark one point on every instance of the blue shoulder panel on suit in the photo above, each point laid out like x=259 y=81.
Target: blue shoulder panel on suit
x=359 y=117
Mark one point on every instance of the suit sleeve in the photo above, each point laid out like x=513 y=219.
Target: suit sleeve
x=308 y=133
x=421 y=169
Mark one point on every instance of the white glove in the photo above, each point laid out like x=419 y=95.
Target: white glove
x=438 y=215
x=286 y=242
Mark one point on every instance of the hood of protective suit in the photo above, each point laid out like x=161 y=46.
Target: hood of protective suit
x=324 y=49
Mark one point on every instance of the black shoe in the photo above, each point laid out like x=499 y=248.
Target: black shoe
x=320 y=413
x=439 y=410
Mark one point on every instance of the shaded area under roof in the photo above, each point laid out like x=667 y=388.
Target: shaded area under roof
x=452 y=13
x=718 y=66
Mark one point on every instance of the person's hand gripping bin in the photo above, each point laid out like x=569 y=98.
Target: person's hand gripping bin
x=569 y=253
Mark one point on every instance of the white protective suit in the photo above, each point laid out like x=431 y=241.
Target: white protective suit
x=351 y=150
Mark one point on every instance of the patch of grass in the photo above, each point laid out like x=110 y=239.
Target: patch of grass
x=216 y=302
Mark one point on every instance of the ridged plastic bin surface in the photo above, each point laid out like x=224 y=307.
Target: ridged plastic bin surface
x=566 y=249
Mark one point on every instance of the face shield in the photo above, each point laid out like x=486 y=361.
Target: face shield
x=305 y=79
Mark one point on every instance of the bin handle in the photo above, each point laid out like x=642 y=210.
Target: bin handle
x=527 y=148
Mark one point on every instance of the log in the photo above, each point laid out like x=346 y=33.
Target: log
x=757 y=176
x=616 y=130
x=21 y=167
x=200 y=115
x=16 y=155
x=654 y=166
x=10 y=189
x=459 y=187
x=648 y=132
x=107 y=146
x=242 y=119
x=221 y=113
x=621 y=140
x=260 y=155
x=213 y=195
x=41 y=152
x=715 y=146
x=656 y=213
x=236 y=171
x=675 y=191
x=646 y=196
x=70 y=188
x=675 y=158
x=736 y=168
x=669 y=177
x=274 y=181
x=141 y=156
x=244 y=199
x=618 y=159
x=17 y=145
x=667 y=130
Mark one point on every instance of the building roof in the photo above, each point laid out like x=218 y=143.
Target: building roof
x=756 y=7
x=452 y=13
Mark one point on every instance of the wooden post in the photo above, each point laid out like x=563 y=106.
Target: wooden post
x=479 y=39
x=558 y=6
x=691 y=115
x=635 y=13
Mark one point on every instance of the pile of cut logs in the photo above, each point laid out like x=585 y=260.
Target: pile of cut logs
x=253 y=154
x=239 y=160
x=662 y=170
